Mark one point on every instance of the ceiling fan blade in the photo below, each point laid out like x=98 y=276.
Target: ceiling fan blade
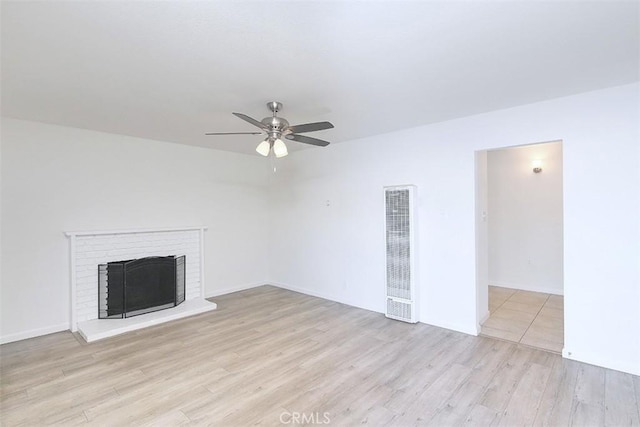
x=307 y=140
x=233 y=133
x=310 y=127
x=250 y=120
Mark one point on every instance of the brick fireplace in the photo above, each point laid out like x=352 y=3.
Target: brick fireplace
x=89 y=249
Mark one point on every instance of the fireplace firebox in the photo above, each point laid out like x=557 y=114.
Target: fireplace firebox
x=132 y=287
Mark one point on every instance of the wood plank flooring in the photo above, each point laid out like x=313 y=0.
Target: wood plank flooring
x=270 y=356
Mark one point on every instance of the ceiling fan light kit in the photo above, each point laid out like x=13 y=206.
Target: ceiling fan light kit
x=279 y=148
x=276 y=128
x=263 y=148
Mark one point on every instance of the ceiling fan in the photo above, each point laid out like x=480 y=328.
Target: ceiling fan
x=276 y=128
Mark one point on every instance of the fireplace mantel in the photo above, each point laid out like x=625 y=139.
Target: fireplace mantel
x=132 y=231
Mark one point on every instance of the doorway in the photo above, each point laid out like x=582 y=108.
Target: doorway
x=519 y=244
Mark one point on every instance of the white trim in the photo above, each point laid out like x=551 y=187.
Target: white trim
x=19 y=336
x=457 y=328
x=132 y=231
x=483 y=319
x=603 y=362
x=526 y=288
x=73 y=321
x=238 y=288
x=232 y=289
x=453 y=327
x=202 y=230
x=323 y=296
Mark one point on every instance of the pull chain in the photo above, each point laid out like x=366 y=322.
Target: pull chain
x=272 y=162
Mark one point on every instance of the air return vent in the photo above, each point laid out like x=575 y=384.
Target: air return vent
x=401 y=253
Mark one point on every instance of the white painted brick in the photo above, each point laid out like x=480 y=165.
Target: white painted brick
x=84 y=305
x=100 y=249
x=95 y=254
x=90 y=299
x=85 y=261
x=86 y=273
x=87 y=292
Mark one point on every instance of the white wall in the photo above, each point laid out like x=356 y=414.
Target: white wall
x=56 y=179
x=337 y=251
x=525 y=218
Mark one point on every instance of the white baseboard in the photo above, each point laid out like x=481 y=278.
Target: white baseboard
x=457 y=328
x=34 y=333
x=65 y=326
x=597 y=360
x=483 y=319
x=453 y=327
x=322 y=295
x=522 y=287
x=232 y=289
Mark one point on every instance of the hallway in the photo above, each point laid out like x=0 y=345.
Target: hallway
x=531 y=318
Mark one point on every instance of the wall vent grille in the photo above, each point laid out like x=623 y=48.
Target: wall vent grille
x=399 y=310
x=400 y=253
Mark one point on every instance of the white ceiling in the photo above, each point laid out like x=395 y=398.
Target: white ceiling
x=173 y=70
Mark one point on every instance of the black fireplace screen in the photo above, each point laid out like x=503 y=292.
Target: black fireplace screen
x=139 y=286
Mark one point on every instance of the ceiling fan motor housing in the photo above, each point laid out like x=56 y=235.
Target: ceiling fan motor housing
x=275 y=124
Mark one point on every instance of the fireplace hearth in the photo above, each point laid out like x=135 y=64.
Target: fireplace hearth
x=133 y=287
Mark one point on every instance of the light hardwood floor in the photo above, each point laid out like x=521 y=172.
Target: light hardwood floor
x=531 y=318
x=267 y=354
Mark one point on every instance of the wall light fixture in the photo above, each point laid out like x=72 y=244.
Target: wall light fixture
x=537 y=166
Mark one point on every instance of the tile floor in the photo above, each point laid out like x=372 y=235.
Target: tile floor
x=531 y=318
